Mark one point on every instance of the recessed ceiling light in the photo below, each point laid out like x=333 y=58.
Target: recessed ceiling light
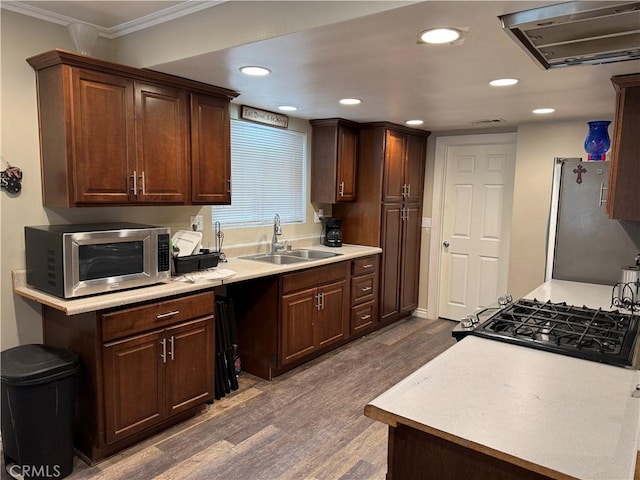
x=503 y=82
x=287 y=108
x=350 y=101
x=543 y=111
x=255 y=71
x=414 y=122
x=440 y=35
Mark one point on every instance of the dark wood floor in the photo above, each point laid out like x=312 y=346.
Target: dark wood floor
x=306 y=424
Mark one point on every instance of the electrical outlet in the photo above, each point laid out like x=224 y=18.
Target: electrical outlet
x=196 y=223
x=318 y=215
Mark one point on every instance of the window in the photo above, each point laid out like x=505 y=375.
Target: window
x=267 y=176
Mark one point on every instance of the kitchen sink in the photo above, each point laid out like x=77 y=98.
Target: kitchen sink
x=291 y=256
x=311 y=254
x=275 y=258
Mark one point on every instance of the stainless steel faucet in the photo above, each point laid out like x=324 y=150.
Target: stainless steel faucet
x=277 y=230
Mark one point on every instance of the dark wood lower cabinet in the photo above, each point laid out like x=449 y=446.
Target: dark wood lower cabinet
x=313 y=318
x=143 y=368
x=134 y=385
x=286 y=320
x=416 y=455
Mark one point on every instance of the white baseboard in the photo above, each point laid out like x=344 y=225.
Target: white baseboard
x=420 y=313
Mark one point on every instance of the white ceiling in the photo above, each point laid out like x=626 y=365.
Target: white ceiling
x=376 y=58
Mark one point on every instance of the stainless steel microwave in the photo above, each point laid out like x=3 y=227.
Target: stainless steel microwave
x=71 y=261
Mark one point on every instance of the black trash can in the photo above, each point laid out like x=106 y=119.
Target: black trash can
x=37 y=387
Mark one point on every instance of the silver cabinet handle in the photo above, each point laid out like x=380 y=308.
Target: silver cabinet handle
x=171 y=342
x=168 y=314
x=322 y=298
x=341 y=189
x=317 y=301
x=445 y=244
x=366 y=289
x=135 y=182
x=229 y=182
x=144 y=191
x=365 y=317
x=163 y=355
x=408 y=190
x=368 y=265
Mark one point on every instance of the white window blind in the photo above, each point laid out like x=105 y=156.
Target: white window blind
x=267 y=176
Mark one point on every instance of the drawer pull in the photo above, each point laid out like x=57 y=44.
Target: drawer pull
x=168 y=314
x=366 y=289
x=368 y=265
x=365 y=317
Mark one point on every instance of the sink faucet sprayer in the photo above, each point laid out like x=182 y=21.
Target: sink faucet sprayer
x=277 y=230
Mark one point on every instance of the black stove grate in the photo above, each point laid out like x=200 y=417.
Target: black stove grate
x=599 y=335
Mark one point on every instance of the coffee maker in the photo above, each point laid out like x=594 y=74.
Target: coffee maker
x=332 y=233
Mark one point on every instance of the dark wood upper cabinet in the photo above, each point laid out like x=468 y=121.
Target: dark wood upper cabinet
x=334 y=160
x=623 y=199
x=113 y=134
x=162 y=161
x=210 y=150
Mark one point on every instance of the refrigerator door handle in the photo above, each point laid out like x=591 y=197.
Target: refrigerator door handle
x=603 y=198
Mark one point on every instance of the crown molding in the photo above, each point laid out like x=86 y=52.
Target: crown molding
x=186 y=8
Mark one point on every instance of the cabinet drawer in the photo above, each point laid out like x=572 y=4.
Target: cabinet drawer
x=134 y=320
x=363 y=288
x=364 y=265
x=363 y=315
x=314 y=277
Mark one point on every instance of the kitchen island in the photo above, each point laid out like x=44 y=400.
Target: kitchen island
x=488 y=409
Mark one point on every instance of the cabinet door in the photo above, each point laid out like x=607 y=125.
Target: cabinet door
x=394 y=161
x=410 y=263
x=332 y=322
x=103 y=143
x=391 y=259
x=210 y=150
x=299 y=312
x=189 y=367
x=623 y=200
x=347 y=161
x=162 y=164
x=134 y=385
x=414 y=168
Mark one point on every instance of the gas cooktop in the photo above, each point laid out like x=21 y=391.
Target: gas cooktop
x=590 y=334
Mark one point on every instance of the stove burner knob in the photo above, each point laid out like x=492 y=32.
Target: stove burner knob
x=470 y=320
x=505 y=300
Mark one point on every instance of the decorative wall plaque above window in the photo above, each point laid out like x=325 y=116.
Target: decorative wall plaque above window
x=264 y=116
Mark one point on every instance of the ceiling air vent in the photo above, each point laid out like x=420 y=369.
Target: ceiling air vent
x=575 y=33
x=488 y=121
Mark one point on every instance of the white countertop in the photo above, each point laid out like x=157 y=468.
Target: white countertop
x=574 y=293
x=553 y=413
x=241 y=269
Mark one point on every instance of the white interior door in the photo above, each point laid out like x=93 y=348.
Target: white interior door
x=476 y=225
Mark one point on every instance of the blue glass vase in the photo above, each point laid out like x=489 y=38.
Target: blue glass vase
x=597 y=142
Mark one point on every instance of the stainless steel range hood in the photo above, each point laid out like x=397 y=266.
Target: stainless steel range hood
x=575 y=33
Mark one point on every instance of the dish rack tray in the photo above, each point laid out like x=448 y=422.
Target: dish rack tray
x=192 y=263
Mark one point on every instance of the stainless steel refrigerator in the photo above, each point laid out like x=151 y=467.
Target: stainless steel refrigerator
x=584 y=244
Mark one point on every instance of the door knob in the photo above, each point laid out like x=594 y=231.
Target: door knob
x=445 y=244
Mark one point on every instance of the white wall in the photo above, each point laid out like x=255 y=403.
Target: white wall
x=538 y=145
